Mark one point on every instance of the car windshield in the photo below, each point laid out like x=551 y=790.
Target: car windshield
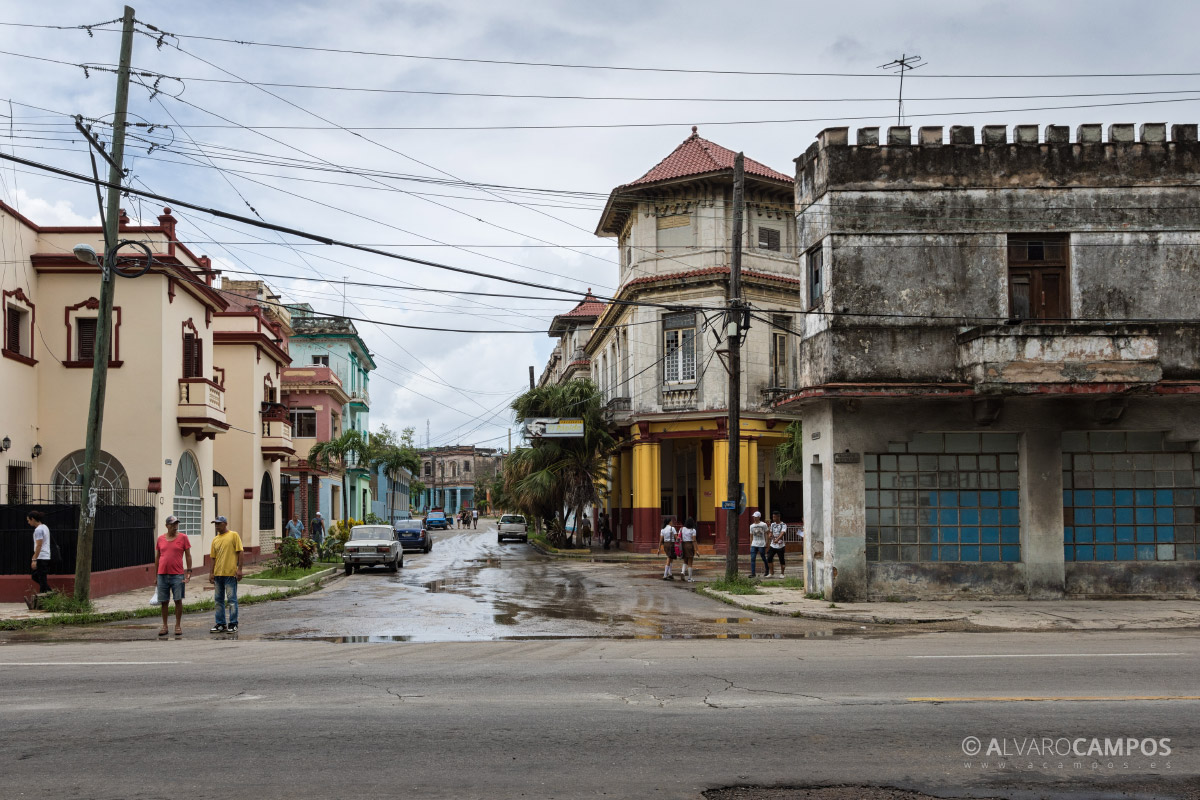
x=512 y=518
x=436 y=515
x=370 y=532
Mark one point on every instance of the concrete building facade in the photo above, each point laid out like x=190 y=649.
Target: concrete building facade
x=653 y=355
x=450 y=474
x=998 y=374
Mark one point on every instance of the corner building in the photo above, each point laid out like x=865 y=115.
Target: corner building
x=663 y=383
x=999 y=373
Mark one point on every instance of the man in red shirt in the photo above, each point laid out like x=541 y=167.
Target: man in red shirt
x=170 y=552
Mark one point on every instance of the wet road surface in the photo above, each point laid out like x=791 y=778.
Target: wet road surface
x=471 y=588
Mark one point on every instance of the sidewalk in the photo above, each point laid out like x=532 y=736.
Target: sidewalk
x=1024 y=615
x=197 y=590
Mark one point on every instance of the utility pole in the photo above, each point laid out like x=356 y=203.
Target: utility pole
x=733 y=340
x=100 y=355
x=531 y=384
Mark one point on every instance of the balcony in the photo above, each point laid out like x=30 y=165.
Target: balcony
x=276 y=433
x=201 y=409
x=360 y=396
x=617 y=407
x=1010 y=356
x=680 y=399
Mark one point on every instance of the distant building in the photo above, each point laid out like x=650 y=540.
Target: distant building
x=451 y=473
x=392 y=493
x=1000 y=362
x=334 y=343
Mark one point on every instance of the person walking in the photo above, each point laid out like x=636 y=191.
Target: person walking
x=295 y=528
x=777 y=545
x=39 y=564
x=317 y=528
x=226 y=571
x=171 y=550
x=606 y=533
x=475 y=519
x=668 y=547
x=585 y=531
x=758 y=543
x=687 y=540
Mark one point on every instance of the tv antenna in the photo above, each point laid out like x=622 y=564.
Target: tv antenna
x=903 y=64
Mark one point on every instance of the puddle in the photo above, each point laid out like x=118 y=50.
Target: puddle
x=487 y=562
x=443 y=585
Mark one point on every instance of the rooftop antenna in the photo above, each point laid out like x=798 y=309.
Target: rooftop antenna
x=902 y=65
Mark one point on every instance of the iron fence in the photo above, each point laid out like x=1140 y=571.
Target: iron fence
x=124 y=537
x=19 y=494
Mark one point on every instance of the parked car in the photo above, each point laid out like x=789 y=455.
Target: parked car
x=512 y=526
x=372 y=546
x=436 y=520
x=413 y=536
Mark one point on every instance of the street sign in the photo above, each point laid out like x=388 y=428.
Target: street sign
x=554 y=428
x=729 y=505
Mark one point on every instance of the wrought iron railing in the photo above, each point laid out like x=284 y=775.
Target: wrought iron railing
x=18 y=494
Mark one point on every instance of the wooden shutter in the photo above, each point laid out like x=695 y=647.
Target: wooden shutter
x=85 y=333
x=191 y=366
x=13 y=341
x=768 y=239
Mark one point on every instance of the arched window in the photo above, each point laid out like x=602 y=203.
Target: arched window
x=112 y=483
x=266 y=504
x=189 y=503
x=219 y=479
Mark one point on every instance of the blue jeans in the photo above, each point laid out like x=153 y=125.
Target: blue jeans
x=226 y=591
x=755 y=554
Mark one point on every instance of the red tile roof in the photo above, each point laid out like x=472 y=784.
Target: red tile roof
x=588 y=308
x=697 y=156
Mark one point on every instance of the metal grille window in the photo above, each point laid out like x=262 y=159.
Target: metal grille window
x=816 y=276
x=1129 y=496
x=188 y=505
x=304 y=422
x=944 y=497
x=679 y=348
x=769 y=238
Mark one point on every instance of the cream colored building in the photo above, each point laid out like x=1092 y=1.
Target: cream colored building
x=166 y=399
x=251 y=346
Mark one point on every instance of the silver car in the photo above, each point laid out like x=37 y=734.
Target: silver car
x=372 y=546
x=512 y=526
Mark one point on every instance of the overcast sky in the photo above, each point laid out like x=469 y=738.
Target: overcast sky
x=462 y=383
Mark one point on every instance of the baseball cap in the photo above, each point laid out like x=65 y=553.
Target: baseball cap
x=756 y=514
x=172 y=520
x=318 y=513
x=220 y=519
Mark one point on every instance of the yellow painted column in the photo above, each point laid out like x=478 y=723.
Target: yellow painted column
x=626 y=499
x=750 y=471
x=647 y=495
x=720 y=471
x=704 y=506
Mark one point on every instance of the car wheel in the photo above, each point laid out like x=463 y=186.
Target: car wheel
x=400 y=563
x=349 y=569
x=499 y=539
x=525 y=540
x=394 y=564
x=428 y=547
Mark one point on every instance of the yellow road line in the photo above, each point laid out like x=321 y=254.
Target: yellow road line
x=1079 y=698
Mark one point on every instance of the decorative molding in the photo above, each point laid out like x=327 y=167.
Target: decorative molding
x=92 y=304
x=154 y=485
x=170 y=289
x=19 y=295
x=248 y=494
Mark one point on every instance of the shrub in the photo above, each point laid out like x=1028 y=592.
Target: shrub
x=296 y=553
x=739 y=584
x=58 y=603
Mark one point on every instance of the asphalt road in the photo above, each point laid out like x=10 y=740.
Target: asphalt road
x=322 y=715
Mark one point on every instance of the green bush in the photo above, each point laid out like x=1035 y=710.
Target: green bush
x=293 y=553
x=58 y=603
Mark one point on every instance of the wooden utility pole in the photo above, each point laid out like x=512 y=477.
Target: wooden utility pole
x=103 y=345
x=733 y=341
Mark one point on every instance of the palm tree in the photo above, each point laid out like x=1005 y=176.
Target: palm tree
x=338 y=454
x=556 y=477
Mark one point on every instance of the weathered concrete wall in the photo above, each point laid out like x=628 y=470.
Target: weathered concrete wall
x=1156 y=579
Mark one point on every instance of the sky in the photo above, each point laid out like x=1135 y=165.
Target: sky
x=429 y=169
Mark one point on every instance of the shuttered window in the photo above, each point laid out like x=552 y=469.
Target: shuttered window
x=13 y=341
x=768 y=238
x=85 y=338
x=1037 y=277
x=193 y=356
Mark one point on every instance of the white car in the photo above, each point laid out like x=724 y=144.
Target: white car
x=372 y=546
x=512 y=526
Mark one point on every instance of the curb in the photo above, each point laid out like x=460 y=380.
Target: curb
x=305 y=581
x=826 y=616
x=620 y=557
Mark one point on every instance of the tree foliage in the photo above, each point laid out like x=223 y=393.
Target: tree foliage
x=789 y=455
x=339 y=454
x=554 y=478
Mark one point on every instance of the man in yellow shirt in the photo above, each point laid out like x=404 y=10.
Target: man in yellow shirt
x=226 y=570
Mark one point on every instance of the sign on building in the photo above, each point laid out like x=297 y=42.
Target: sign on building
x=553 y=428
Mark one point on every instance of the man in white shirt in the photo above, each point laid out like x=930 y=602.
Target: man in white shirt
x=475 y=519
x=39 y=565
x=777 y=545
x=758 y=543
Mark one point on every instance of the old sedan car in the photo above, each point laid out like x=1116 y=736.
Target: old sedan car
x=436 y=520
x=512 y=526
x=372 y=546
x=413 y=536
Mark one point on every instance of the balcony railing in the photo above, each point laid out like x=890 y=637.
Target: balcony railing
x=201 y=409
x=361 y=396
x=276 y=439
x=23 y=494
x=617 y=406
x=680 y=399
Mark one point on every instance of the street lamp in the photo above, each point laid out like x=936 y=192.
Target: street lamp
x=37 y=450
x=86 y=253
x=4 y=445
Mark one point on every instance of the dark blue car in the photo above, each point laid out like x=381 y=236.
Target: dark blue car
x=436 y=520
x=413 y=536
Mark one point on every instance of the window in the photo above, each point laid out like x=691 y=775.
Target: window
x=111 y=480
x=428 y=469
x=1128 y=496
x=266 y=504
x=193 y=355
x=769 y=238
x=320 y=361
x=679 y=348
x=304 y=422
x=18 y=315
x=466 y=466
x=816 y=276
x=188 y=505
x=944 y=497
x=780 y=374
x=85 y=338
x=15 y=339
x=675 y=232
x=1037 y=277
